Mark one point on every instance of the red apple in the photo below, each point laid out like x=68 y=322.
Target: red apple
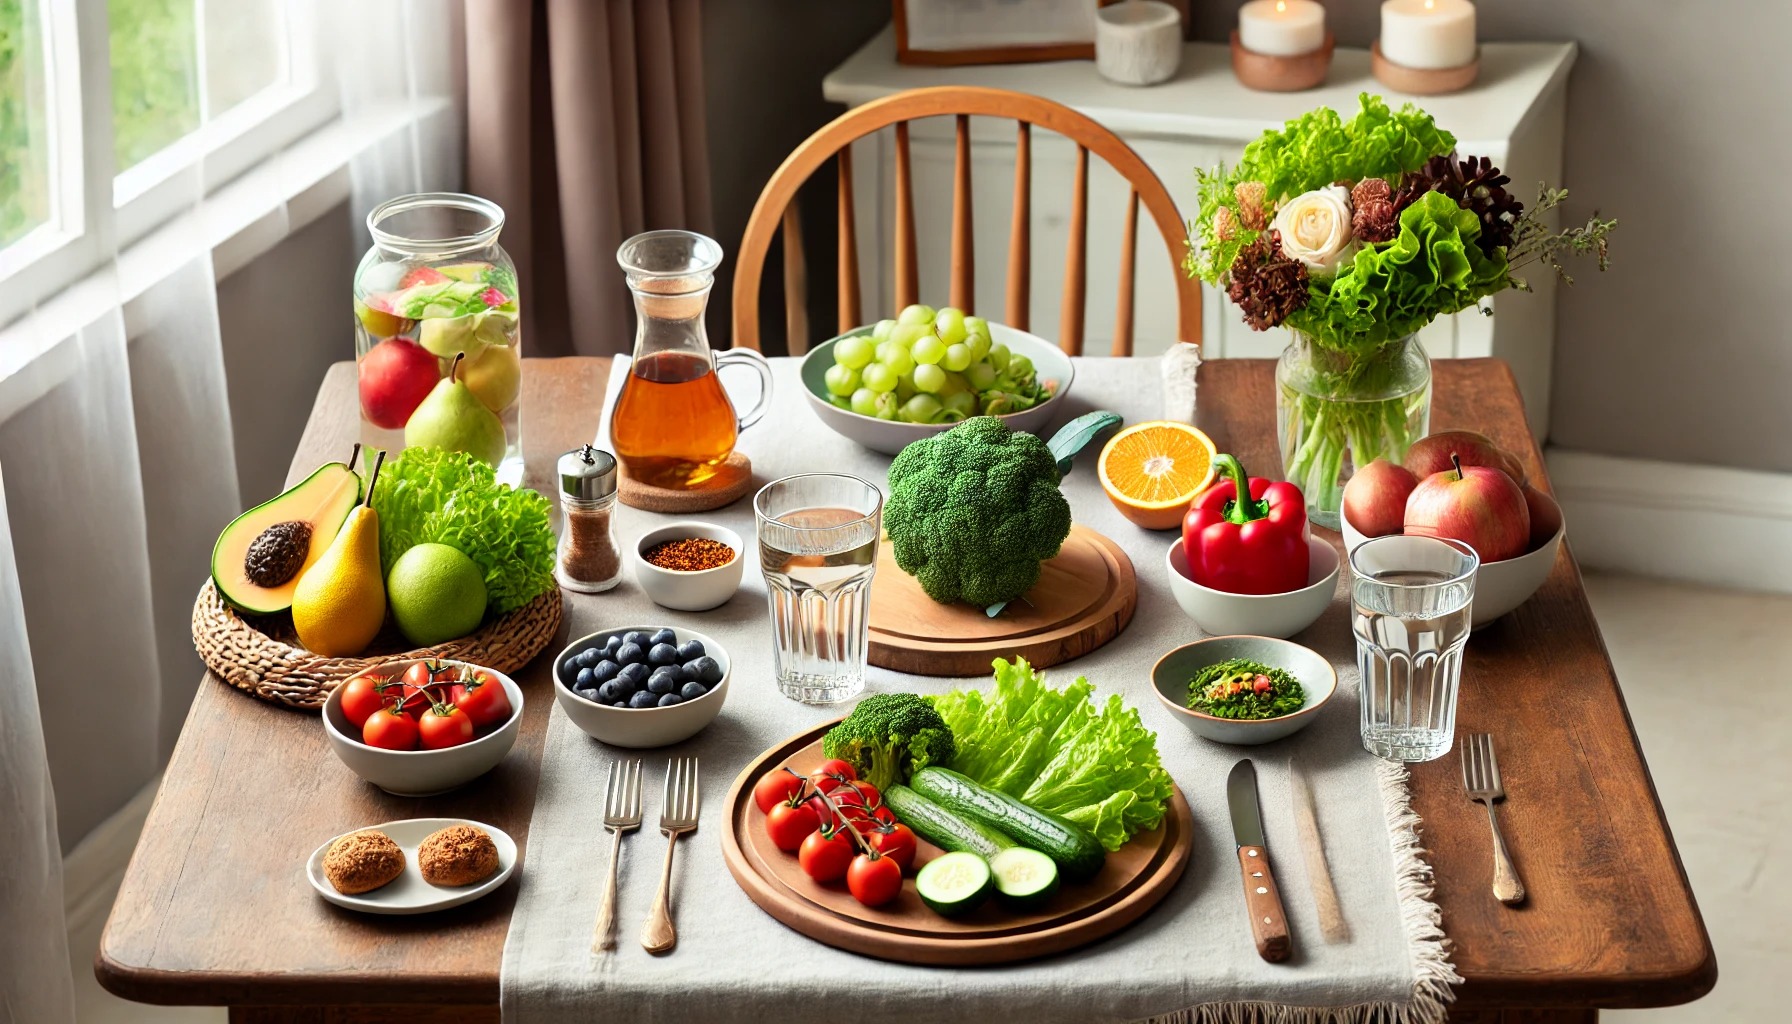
x=1477 y=505
x=396 y=375
x=1546 y=516
x=1375 y=498
x=1432 y=454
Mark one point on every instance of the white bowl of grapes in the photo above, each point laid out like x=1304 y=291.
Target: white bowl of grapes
x=897 y=381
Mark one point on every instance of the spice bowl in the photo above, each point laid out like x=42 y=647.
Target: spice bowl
x=1171 y=675
x=1272 y=615
x=694 y=589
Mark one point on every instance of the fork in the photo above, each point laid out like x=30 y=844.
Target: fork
x=678 y=815
x=1481 y=777
x=622 y=813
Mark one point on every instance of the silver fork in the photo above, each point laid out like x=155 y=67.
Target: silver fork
x=678 y=815
x=1481 y=777
x=622 y=813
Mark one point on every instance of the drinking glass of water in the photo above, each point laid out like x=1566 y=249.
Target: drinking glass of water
x=1410 y=599
x=818 y=547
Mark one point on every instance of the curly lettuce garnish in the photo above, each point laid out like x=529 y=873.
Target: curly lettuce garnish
x=429 y=495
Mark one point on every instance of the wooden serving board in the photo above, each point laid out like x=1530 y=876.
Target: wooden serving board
x=1084 y=598
x=1132 y=881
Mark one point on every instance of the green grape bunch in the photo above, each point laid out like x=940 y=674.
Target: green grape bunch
x=931 y=366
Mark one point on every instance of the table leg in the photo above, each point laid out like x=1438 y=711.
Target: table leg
x=1550 y=1016
x=364 y=1015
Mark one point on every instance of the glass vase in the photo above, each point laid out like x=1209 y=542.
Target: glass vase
x=1336 y=411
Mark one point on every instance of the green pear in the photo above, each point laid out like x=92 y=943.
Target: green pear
x=453 y=417
x=340 y=602
x=495 y=374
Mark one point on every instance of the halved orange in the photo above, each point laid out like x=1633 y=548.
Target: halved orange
x=1152 y=471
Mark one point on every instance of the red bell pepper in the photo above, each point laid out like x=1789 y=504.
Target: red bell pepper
x=1247 y=547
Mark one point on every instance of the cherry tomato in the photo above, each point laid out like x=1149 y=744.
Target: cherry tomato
x=832 y=773
x=775 y=787
x=444 y=725
x=895 y=841
x=863 y=794
x=390 y=729
x=874 y=879
x=789 y=824
x=365 y=694
x=866 y=818
x=826 y=853
x=483 y=698
x=420 y=675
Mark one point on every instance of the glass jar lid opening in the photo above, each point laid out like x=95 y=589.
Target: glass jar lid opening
x=435 y=224
x=669 y=262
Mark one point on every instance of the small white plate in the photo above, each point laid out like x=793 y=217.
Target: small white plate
x=409 y=893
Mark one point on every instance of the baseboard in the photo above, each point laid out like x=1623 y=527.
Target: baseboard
x=1704 y=524
x=93 y=870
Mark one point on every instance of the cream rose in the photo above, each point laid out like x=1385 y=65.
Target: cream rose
x=1315 y=228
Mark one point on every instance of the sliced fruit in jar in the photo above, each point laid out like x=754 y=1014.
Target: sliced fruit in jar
x=1025 y=879
x=258 y=559
x=955 y=883
x=474 y=271
x=376 y=315
x=448 y=336
x=1152 y=471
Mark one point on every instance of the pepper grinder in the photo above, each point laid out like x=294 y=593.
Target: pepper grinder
x=588 y=559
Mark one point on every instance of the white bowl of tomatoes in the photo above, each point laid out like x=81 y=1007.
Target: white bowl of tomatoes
x=424 y=726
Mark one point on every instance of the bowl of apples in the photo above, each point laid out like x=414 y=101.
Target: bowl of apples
x=896 y=381
x=1461 y=485
x=418 y=727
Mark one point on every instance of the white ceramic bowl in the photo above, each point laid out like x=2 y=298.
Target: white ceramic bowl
x=1499 y=586
x=642 y=727
x=891 y=436
x=1278 y=615
x=1170 y=676
x=689 y=591
x=422 y=772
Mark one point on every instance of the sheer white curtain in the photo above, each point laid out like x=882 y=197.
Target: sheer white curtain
x=120 y=468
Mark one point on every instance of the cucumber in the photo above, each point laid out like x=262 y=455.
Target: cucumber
x=941 y=827
x=955 y=883
x=1025 y=879
x=1077 y=852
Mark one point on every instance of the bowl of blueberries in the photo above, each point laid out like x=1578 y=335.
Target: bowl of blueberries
x=642 y=686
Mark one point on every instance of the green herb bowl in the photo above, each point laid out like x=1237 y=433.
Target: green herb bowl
x=1170 y=676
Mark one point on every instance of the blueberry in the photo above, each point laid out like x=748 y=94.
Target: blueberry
x=692 y=691
x=709 y=670
x=605 y=670
x=609 y=694
x=664 y=680
x=688 y=672
x=634 y=675
x=643 y=699
x=662 y=654
x=670 y=699
x=612 y=643
x=665 y=635
x=569 y=669
x=690 y=650
x=589 y=657
x=629 y=654
x=620 y=704
x=636 y=637
x=585 y=680
x=589 y=692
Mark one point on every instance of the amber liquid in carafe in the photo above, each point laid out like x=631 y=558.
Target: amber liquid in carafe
x=674 y=425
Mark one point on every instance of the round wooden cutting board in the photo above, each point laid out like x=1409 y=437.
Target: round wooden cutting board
x=1084 y=598
x=1132 y=881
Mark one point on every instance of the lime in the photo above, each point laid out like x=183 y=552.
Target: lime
x=436 y=594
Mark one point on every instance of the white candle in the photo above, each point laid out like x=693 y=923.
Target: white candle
x=1281 y=28
x=1428 y=34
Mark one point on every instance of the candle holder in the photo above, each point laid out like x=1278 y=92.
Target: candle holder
x=1266 y=73
x=1419 y=81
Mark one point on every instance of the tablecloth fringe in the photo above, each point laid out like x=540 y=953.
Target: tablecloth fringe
x=1429 y=947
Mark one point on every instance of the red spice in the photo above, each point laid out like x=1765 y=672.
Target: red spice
x=692 y=554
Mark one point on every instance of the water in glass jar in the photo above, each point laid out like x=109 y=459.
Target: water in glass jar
x=1411 y=627
x=818 y=577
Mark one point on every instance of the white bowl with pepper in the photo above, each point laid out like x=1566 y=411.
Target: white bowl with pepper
x=689 y=566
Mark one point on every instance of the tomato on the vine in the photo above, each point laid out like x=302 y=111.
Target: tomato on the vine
x=390 y=729
x=788 y=824
x=895 y=841
x=832 y=774
x=826 y=853
x=482 y=697
x=444 y=725
x=365 y=694
x=862 y=793
x=775 y=787
x=874 y=879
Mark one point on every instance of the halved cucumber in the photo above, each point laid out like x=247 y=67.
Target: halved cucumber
x=955 y=883
x=1025 y=879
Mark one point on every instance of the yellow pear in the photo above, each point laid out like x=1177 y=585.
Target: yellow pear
x=340 y=602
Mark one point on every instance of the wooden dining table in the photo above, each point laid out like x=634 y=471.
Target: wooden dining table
x=215 y=910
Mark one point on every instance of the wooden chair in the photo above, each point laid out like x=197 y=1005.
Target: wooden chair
x=775 y=211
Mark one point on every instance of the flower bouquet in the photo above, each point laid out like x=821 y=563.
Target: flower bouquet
x=1356 y=234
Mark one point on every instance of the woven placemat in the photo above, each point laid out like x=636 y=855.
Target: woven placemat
x=731 y=483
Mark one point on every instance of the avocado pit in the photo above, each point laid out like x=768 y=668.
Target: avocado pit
x=277 y=553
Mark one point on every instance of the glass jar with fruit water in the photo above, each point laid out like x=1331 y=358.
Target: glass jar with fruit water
x=438 y=347
x=674 y=425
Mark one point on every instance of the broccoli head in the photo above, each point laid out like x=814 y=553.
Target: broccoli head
x=974 y=510
x=889 y=737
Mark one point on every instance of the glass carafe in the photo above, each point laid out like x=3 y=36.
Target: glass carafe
x=674 y=425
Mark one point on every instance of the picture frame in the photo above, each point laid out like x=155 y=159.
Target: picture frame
x=959 y=32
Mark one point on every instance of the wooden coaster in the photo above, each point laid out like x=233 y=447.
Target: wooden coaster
x=731 y=483
x=1265 y=73
x=1083 y=599
x=1422 y=81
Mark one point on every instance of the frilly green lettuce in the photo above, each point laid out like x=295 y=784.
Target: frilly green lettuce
x=1319 y=148
x=1054 y=750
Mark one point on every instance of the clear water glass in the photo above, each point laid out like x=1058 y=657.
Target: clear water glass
x=818 y=549
x=1410 y=603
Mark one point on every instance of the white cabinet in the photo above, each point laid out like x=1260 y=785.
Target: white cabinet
x=1514 y=116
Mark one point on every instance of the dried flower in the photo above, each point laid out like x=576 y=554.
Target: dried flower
x=1223 y=226
x=1266 y=284
x=1374 y=218
x=1475 y=185
x=1251 y=211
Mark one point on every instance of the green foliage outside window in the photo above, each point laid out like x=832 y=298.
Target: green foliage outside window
x=24 y=136
x=155 y=75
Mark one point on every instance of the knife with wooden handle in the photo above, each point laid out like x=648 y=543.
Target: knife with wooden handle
x=1269 y=922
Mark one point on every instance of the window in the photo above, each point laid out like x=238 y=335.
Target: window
x=118 y=114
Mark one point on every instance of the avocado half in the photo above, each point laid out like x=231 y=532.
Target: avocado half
x=260 y=556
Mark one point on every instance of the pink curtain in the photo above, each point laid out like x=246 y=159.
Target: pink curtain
x=585 y=123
